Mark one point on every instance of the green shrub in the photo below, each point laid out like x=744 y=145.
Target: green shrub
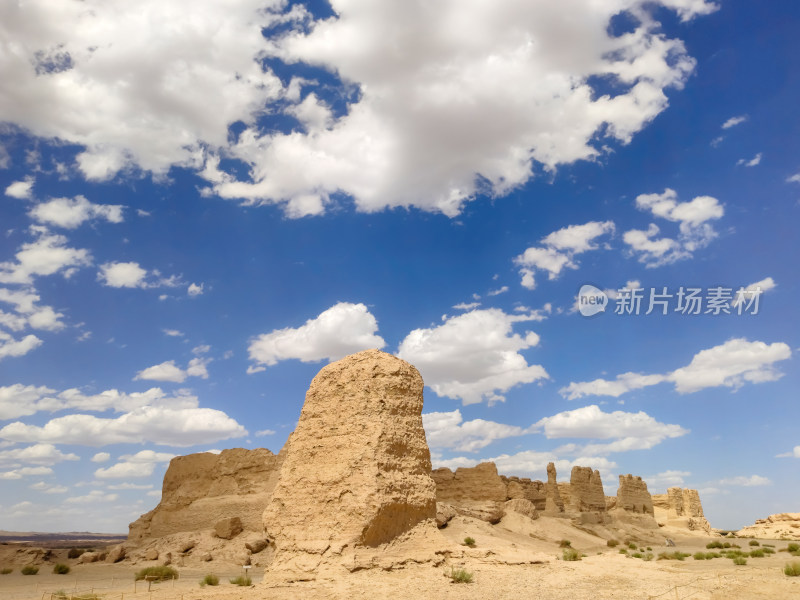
x=793 y=547
x=159 y=573
x=754 y=543
x=649 y=549
x=6 y=571
x=623 y=550
x=564 y=544
x=672 y=555
x=726 y=545
x=241 y=580
x=792 y=569
x=637 y=555
x=632 y=545
x=716 y=544
x=757 y=553
x=75 y=552
x=699 y=556
x=768 y=550
x=460 y=575
x=29 y=570
x=570 y=554
x=61 y=569
x=769 y=545
x=710 y=555
x=740 y=560
x=209 y=579
x=648 y=557
x=468 y=541
x=612 y=543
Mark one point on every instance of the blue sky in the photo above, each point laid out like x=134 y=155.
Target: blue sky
x=198 y=214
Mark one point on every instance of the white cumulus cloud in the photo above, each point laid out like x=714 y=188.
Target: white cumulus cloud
x=342 y=329
x=558 y=250
x=732 y=364
x=474 y=356
x=694 y=230
x=21 y=189
x=69 y=214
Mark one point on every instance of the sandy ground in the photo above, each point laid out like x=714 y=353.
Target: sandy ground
x=500 y=563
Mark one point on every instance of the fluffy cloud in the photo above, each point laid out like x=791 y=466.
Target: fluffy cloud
x=169 y=371
x=27 y=312
x=449 y=430
x=793 y=178
x=132 y=275
x=47 y=488
x=342 y=329
x=666 y=479
x=141 y=464
x=79 y=72
x=474 y=356
x=629 y=431
x=10 y=346
x=195 y=290
x=122 y=274
x=155 y=424
x=436 y=131
x=21 y=189
x=47 y=255
x=19 y=400
x=732 y=364
x=101 y=457
x=795 y=453
x=692 y=217
x=559 y=249
x=92 y=497
x=63 y=212
x=26 y=472
x=37 y=454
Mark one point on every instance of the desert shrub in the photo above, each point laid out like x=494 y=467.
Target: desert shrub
x=468 y=541
x=769 y=545
x=570 y=554
x=754 y=543
x=649 y=549
x=648 y=557
x=241 y=580
x=793 y=547
x=612 y=543
x=740 y=560
x=632 y=545
x=672 y=555
x=726 y=545
x=792 y=569
x=159 y=573
x=757 y=553
x=699 y=556
x=623 y=550
x=61 y=569
x=715 y=544
x=637 y=555
x=710 y=555
x=768 y=550
x=564 y=544
x=460 y=575
x=29 y=570
x=6 y=571
x=209 y=579
x=75 y=552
